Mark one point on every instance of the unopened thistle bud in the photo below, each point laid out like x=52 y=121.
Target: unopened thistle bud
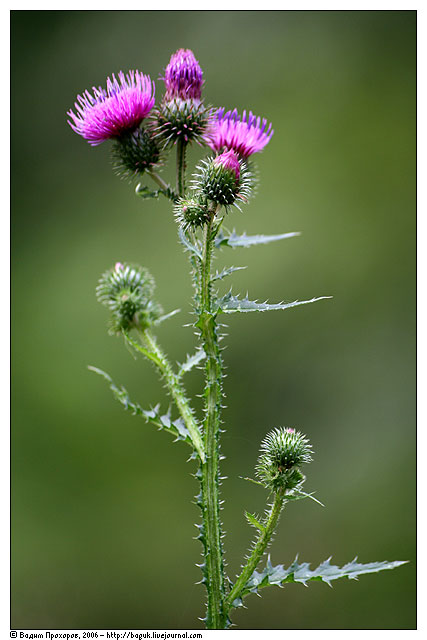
x=182 y=114
x=223 y=179
x=135 y=152
x=283 y=450
x=127 y=292
x=191 y=213
x=183 y=76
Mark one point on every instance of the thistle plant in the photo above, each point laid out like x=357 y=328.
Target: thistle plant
x=145 y=136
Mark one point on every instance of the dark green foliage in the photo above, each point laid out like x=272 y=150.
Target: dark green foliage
x=135 y=152
x=127 y=292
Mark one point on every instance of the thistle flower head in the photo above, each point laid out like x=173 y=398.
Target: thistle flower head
x=114 y=112
x=224 y=179
x=127 y=292
x=181 y=119
x=245 y=134
x=283 y=450
x=183 y=76
x=135 y=151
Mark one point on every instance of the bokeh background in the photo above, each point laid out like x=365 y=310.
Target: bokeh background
x=101 y=502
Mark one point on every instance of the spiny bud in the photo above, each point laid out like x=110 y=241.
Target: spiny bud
x=283 y=450
x=180 y=119
x=223 y=179
x=127 y=292
x=134 y=152
x=183 y=76
x=191 y=213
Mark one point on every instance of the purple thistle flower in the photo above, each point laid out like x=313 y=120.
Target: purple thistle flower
x=229 y=161
x=120 y=109
x=183 y=76
x=245 y=135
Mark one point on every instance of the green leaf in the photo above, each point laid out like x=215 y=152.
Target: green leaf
x=220 y=275
x=189 y=245
x=145 y=192
x=253 y=521
x=325 y=572
x=233 y=304
x=192 y=361
x=175 y=427
x=233 y=240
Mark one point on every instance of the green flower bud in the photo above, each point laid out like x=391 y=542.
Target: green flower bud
x=127 y=292
x=224 y=179
x=283 y=450
x=191 y=213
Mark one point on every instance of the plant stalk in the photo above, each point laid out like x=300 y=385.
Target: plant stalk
x=214 y=568
x=258 y=550
x=154 y=353
x=181 y=147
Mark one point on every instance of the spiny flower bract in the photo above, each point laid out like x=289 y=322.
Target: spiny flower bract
x=118 y=110
x=183 y=76
x=223 y=179
x=191 y=213
x=283 y=450
x=245 y=134
x=179 y=119
x=127 y=290
x=134 y=152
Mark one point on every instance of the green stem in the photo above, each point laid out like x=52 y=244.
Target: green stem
x=154 y=353
x=165 y=188
x=214 y=568
x=158 y=180
x=181 y=146
x=258 y=550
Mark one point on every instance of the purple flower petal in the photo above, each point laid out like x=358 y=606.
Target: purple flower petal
x=109 y=114
x=244 y=135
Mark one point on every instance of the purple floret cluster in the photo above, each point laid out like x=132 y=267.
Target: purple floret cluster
x=118 y=110
x=183 y=76
x=244 y=134
x=128 y=99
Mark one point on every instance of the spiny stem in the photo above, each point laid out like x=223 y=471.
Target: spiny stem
x=214 y=569
x=258 y=550
x=181 y=146
x=153 y=352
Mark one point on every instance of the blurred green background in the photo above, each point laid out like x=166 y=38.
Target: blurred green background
x=102 y=513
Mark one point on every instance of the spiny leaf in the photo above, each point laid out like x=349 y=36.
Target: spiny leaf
x=325 y=572
x=254 y=521
x=192 y=361
x=233 y=304
x=145 y=192
x=234 y=240
x=220 y=275
x=189 y=245
x=176 y=427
